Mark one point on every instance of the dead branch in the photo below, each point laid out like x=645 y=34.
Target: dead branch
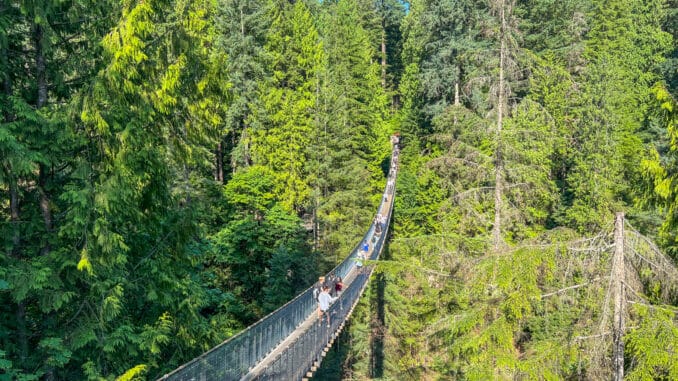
x=652 y=306
x=569 y=288
x=671 y=274
x=593 y=336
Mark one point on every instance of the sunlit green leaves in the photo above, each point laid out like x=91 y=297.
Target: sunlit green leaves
x=652 y=344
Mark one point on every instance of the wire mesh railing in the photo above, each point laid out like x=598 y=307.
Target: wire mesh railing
x=294 y=361
x=236 y=357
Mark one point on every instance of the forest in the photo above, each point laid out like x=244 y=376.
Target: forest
x=174 y=170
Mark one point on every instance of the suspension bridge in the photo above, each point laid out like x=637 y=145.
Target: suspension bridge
x=290 y=342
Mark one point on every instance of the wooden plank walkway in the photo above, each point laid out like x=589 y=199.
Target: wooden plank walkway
x=310 y=320
x=313 y=319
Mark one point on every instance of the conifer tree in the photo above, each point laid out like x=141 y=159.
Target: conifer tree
x=350 y=146
x=623 y=53
x=662 y=173
x=281 y=132
x=114 y=195
x=242 y=25
x=42 y=46
x=260 y=259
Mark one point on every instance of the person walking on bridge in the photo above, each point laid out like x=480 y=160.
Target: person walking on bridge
x=339 y=286
x=332 y=283
x=318 y=288
x=324 y=301
x=362 y=255
x=395 y=140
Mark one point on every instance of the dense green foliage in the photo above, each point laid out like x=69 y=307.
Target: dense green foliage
x=157 y=160
x=576 y=143
x=173 y=170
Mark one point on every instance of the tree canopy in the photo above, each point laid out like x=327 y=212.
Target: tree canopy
x=172 y=171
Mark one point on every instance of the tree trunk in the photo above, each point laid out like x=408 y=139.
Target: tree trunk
x=6 y=84
x=43 y=172
x=234 y=144
x=456 y=100
x=44 y=199
x=242 y=24
x=40 y=72
x=456 y=94
x=44 y=206
x=14 y=215
x=498 y=169
x=619 y=298
x=23 y=336
x=383 y=54
x=316 y=223
x=219 y=163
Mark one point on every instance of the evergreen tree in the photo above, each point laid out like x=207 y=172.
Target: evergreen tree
x=661 y=172
x=554 y=28
x=261 y=258
x=623 y=54
x=282 y=132
x=242 y=26
x=114 y=164
x=453 y=52
x=391 y=14
x=42 y=46
x=351 y=142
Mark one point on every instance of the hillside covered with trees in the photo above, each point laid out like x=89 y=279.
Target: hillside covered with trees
x=173 y=170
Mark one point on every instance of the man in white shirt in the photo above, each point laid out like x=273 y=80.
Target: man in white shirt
x=324 y=301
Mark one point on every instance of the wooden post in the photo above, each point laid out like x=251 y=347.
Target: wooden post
x=619 y=298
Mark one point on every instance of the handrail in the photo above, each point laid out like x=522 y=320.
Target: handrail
x=236 y=356
x=295 y=361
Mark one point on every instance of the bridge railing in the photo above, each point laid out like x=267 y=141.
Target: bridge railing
x=294 y=361
x=235 y=357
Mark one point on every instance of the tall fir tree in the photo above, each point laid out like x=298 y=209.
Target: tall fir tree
x=623 y=54
x=242 y=26
x=114 y=158
x=49 y=51
x=350 y=148
x=282 y=131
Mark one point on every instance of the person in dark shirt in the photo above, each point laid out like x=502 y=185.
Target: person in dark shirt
x=338 y=287
x=318 y=287
x=330 y=283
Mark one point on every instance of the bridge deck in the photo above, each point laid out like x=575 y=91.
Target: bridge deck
x=311 y=322
x=290 y=341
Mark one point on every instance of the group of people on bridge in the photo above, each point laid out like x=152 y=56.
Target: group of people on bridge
x=328 y=289
x=269 y=349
